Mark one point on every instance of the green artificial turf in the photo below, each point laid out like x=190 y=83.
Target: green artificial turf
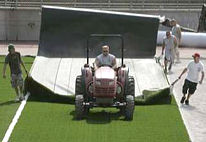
x=51 y=119
x=8 y=106
x=54 y=122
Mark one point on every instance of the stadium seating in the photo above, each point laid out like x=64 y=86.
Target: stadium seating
x=121 y=5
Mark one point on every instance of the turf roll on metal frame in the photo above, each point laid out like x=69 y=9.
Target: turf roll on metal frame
x=62 y=47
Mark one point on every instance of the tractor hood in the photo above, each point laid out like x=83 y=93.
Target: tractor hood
x=105 y=73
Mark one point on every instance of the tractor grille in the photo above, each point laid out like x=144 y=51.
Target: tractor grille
x=100 y=91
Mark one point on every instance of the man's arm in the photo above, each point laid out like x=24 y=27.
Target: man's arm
x=96 y=64
x=175 y=41
x=22 y=63
x=4 y=70
x=184 y=71
x=163 y=47
x=179 y=33
x=202 y=77
x=114 y=63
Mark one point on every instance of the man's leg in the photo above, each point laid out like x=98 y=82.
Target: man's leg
x=183 y=99
x=17 y=93
x=172 y=58
x=165 y=62
x=20 y=83
x=192 y=89
x=15 y=86
x=177 y=53
x=170 y=66
x=187 y=100
x=184 y=91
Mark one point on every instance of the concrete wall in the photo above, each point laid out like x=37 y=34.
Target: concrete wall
x=24 y=23
x=186 y=18
x=19 y=24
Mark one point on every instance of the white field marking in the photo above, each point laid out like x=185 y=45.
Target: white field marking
x=15 y=119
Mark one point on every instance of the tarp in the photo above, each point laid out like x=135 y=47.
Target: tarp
x=59 y=74
x=63 y=40
x=65 y=31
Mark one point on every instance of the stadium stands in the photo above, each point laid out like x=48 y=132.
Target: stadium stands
x=120 y=5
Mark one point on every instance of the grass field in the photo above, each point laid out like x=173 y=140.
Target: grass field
x=7 y=95
x=54 y=122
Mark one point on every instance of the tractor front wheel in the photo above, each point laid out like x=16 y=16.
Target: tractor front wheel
x=129 y=109
x=130 y=101
x=79 y=106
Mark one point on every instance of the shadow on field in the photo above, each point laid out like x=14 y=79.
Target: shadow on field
x=51 y=98
x=100 y=117
x=8 y=103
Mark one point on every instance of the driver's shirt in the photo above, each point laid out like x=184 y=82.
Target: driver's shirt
x=105 y=60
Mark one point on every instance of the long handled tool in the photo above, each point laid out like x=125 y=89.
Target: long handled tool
x=172 y=85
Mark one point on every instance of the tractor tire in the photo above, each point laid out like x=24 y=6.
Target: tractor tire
x=129 y=109
x=130 y=98
x=130 y=90
x=79 y=106
x=78 y=85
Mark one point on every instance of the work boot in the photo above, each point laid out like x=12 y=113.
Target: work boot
x=17 y=99
x=178 y=61
x=165 y=71
x=187 y=102
x=22 y=98
x=182 y=100
x=170 y=67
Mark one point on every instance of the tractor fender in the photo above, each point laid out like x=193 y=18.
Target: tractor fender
x=123 y=74
x=86 y=77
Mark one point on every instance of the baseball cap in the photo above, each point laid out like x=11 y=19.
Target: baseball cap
x=196 y=55
x=173 y=20
x=10 y=46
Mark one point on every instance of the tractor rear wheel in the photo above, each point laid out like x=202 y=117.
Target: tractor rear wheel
x=130 y=89
x=79 y=98
x=78 y=85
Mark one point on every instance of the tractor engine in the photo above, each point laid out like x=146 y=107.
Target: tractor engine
x=104 y=83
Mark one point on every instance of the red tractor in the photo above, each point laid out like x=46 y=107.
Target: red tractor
x=105 y=87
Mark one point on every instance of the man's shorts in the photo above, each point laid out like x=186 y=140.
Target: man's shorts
x=169 y=56
x=16 y=80
x=189 y=86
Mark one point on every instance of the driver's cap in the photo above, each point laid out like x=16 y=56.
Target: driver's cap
x=10 y=46
x=196 y=55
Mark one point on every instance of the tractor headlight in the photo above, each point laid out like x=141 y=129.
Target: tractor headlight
x=98 y=82
x=111 y=82
x=119 y=89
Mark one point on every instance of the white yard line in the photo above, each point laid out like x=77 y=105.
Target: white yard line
x=15 y=119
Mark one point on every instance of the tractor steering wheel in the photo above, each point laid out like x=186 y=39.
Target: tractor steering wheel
x=105 y=65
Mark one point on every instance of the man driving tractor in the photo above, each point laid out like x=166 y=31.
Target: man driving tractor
x=105 y=59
